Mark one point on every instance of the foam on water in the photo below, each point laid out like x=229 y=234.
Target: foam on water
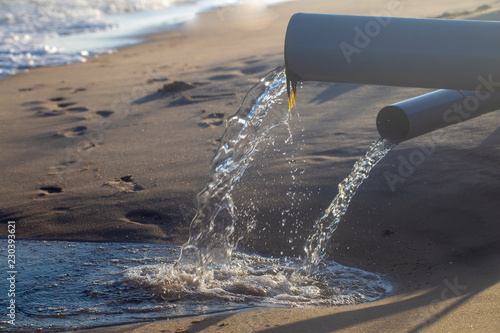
x=65 y=286
x=259 y=281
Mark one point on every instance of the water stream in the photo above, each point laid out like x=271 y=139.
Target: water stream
x=262 y=110
x=210 y=238
x=325 y=226
x=82 y=285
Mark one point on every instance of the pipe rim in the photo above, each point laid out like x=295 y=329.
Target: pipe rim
x=393 y=124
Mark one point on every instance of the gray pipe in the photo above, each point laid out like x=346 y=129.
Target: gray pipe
x=405 y=52
x=420 y=115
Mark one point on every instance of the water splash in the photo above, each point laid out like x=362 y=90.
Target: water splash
x=121 y=283
x=88 y=285
x=211 y=231
x=252 y=280
x=209 y=251
x=325 y=226
x=212 y=238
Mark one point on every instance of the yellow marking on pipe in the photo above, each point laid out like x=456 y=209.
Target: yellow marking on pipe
x=291 y=89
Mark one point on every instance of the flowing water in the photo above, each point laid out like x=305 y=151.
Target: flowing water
x=262 y=110
x=79 y=285
x=211 y=238
x=326 y=225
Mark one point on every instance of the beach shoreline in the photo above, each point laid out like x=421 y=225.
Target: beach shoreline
x=100 y=151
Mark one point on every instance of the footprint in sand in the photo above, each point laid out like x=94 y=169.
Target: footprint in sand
x=46 y=112
x=104 y=113
x=50 y=189
x=57 y=99
x=144 y=216
x=42 y=108
x=36 y=106
x=60 y=107
x=65 y=104
x=78 y=109
x=212 y=119
x=124 y=184
x=176 y=86
x=72 y=132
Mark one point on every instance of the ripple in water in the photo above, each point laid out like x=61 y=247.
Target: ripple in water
x=65 y=286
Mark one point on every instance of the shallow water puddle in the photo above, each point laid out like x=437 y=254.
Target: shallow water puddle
x=68 y=285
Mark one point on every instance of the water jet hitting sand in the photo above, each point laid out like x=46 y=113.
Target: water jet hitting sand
x=208 y=269
x=211 y=238
x=212 y=241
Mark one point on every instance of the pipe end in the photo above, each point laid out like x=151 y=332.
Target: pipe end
x=393 y=124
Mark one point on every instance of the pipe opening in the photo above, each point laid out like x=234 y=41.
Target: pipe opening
x=393 y=124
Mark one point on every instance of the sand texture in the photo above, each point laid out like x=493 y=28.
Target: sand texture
x=116 y=149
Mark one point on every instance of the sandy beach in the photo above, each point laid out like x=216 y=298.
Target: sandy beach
x=116 y=149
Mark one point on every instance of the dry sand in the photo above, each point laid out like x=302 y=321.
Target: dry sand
x=95 y=152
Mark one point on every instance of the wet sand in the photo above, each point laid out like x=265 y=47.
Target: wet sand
x=116 y=149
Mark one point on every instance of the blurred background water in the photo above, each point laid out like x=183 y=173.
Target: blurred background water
x=54 y=32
